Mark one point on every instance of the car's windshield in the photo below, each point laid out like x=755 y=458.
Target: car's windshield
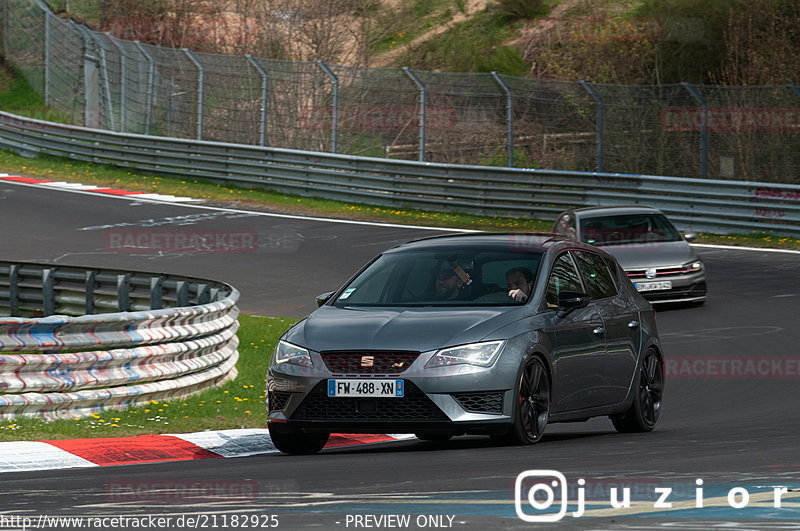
x=459 y=277
x=627 y=229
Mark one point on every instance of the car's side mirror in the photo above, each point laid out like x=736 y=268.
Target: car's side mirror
x=325 y=297
x=690 y=236
x=571 y=300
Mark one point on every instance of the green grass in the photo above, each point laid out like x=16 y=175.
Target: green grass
x=15 y=92
x=237 y=404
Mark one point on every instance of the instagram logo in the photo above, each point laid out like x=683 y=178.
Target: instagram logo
x=540 y=495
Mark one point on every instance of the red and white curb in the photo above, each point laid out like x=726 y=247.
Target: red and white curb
x=22 y=456
x=94 y=189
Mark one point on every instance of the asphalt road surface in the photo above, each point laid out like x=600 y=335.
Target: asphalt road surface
x=729 y=430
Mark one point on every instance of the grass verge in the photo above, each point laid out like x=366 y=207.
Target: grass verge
x=239 y=403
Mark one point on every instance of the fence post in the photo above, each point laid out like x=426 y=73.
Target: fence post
x=123 y=83
x=335 y=105
x=509 y=119
x=150 y=86
x=262 y=134
x=91 y=80
x=105 y=82
x=47 y=44
x=421 y=86
x=201 y=73
x=6 y=44
x=599 y=124
x=703 y=130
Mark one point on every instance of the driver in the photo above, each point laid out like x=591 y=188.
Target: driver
x=519 y=281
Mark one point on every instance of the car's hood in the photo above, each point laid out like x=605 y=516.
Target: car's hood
x=417 y=329
x=655 y=254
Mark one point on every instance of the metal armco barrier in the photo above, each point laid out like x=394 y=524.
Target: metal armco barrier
x=718 y=206
x=79 y=340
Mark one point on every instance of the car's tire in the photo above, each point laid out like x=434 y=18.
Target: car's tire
x=433 y=437
x=531 y=404
x=297 y=443
x=647 y=395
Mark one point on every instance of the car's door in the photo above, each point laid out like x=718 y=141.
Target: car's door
x=620 y=323
x=578 y=343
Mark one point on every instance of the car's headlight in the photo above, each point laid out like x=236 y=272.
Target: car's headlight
x=288 y=353
x=694 y=266
x=480 y=354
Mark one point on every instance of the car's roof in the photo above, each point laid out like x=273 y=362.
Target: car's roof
x=530 y=241
x=595 y=211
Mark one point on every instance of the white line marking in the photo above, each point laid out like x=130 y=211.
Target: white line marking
x=141 y=198
x=737 y=248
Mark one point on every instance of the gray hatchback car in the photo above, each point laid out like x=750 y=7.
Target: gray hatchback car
x=659 y=261
x=495 y=334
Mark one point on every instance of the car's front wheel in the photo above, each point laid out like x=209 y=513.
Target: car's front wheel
x=531 y=405
x=297 y=443
x=644 y=411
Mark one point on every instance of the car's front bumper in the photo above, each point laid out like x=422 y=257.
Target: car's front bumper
x=684 y=288
x=457 y=400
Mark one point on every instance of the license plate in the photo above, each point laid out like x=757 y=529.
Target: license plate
x=653 y=286
x=368 y=388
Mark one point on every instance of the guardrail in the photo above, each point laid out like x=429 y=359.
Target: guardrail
x=718 y=206
x=80 y=340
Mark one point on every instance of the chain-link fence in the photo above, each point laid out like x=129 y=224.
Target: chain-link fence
x=744 y=133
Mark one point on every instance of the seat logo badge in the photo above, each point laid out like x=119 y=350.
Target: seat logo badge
x=367 y=361
x=650 y=273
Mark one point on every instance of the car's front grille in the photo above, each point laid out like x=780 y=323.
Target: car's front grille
x=491 y=402
x=415 y=405
x=368 y=362
x=661 y=272
x=277 y=400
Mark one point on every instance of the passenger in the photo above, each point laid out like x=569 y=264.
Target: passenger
x=519 y=281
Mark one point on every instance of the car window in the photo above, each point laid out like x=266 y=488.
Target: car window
x=627 y=228
x=563 y=277
x=439 y=278
x=598 y=278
